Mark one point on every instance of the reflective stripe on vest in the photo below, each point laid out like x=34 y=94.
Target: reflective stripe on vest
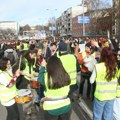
x=69 y=63
x=54 y=94
x=51 y=105
x=118 y=91
x=107 y=83
x=6 y=94
x=104 y=90
x=118 y=86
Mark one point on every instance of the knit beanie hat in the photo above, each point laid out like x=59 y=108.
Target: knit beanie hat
x=62 y=46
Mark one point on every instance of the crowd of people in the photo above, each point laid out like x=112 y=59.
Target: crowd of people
x=45 y=73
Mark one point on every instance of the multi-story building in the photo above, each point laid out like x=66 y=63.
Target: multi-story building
x=13 y=26
x=116 y=19
x=100 y=24
x=59 y=26
x=64 y=22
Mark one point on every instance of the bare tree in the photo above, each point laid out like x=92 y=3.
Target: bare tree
x=99 y=10
x=26 y=28
x=38 y=27
x=97 y=4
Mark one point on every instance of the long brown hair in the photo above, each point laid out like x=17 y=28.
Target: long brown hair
x=57 y=75
x=107 y=56
x=29 y=60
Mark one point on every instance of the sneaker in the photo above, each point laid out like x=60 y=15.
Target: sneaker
x=28 y=113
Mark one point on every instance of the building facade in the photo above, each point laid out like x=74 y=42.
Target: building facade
x=13 y=26
x=116 y=19
x=99 y=25
x=64 y=22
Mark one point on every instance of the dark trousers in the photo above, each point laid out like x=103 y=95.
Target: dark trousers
x=85 y=76
x=65 y=116
x=40 y=93
x=12 y=112
x=93 y=90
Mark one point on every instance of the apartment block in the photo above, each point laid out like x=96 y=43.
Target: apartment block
x=65 y=21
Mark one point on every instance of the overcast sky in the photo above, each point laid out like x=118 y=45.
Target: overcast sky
x=33 y=12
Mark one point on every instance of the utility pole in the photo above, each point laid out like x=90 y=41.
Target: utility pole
x=83 y=19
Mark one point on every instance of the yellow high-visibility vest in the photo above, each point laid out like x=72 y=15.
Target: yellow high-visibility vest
x=118 y=87
x=26 y=70
x=25 y=46
x=6 y=94
x=104 y=90
x=69 y=63
x=54 y=94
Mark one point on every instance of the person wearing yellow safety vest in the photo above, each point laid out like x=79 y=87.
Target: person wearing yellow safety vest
x=116 y=107
x=25 y=48
x=85 y=73
x=26 y=67
x=28 y=73
x=28 y=62
x=18 y=45
x=37 y=64
x=71 y=65
x=8 y=90
x=19 y=48
x=56 y=80
x=105 y=75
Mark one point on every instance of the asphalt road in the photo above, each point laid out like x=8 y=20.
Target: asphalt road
x=81 y=110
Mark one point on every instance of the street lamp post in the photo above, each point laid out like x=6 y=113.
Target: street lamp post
x=83 y=20
x=52 y=10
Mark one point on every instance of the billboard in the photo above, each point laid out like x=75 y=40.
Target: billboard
x=86 y=19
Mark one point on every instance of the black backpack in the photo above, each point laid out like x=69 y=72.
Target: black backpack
x=10 y=55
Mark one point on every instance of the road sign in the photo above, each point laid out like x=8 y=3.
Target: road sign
x=86 y=19
x=52 y=28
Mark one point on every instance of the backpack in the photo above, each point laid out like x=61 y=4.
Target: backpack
x=11 y=57
x=9 y=54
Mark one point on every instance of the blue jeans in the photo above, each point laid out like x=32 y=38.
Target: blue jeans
x=104 y=108
x=40 y=94
x=116 y=109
